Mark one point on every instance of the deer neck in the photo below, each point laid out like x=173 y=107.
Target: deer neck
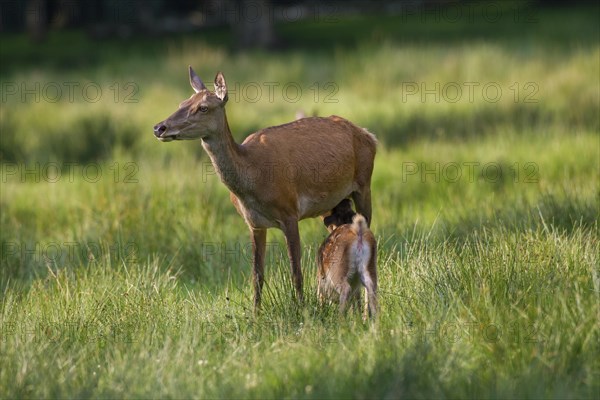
x=227 y=159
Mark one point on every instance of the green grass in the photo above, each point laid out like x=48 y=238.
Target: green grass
x=136 y=282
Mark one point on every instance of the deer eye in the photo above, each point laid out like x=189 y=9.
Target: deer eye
x=203 y=109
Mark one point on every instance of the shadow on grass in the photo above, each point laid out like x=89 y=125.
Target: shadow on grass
x=28 y=261
x=402 y=130
x=549 y=213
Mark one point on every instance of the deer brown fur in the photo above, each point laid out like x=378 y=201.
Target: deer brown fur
x=278 y=175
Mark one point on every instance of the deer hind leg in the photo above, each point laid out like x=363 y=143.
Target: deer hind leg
x=362 y=202
x=259 y=242
x=357 y=299
x=370 y=303
x=345 y=291
x=369 y=281
x=292 y=237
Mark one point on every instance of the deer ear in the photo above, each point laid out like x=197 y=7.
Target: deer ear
x=221 y=87
x=195 y=81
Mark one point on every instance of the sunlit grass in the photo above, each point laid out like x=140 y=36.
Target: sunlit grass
x=506 y=314
x=128 y=275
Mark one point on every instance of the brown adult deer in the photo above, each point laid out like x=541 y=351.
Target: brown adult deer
x=278 y=175
x=347 y=260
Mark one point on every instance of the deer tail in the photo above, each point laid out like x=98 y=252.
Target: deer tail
x=359 y=225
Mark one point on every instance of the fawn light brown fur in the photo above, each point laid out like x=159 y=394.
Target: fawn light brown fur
x=347 y=259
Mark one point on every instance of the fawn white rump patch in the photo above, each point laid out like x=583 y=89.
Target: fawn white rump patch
x=347 y=261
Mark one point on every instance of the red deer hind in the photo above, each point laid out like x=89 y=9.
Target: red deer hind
x=306 y=168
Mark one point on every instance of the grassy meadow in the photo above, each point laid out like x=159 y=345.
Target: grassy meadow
x=125 y=271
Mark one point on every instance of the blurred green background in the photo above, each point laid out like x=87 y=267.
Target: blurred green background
x=485 y=196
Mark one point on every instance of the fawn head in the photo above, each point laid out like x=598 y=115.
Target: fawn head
x=340 y=215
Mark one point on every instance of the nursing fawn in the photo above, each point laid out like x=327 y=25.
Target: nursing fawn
x=347 y=260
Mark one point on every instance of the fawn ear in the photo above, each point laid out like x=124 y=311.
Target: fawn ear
x=221 y=87
x=195 y=81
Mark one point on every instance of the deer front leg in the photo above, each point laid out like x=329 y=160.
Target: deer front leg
x=259 y=242
x=292 y=237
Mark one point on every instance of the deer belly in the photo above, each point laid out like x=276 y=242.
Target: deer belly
x=315 y=205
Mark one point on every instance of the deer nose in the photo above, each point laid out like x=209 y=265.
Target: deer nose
x=159 y=129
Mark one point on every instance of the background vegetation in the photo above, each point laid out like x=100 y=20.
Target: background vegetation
x=125 y=271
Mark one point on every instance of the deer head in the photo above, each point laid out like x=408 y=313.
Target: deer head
x=202 y=116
